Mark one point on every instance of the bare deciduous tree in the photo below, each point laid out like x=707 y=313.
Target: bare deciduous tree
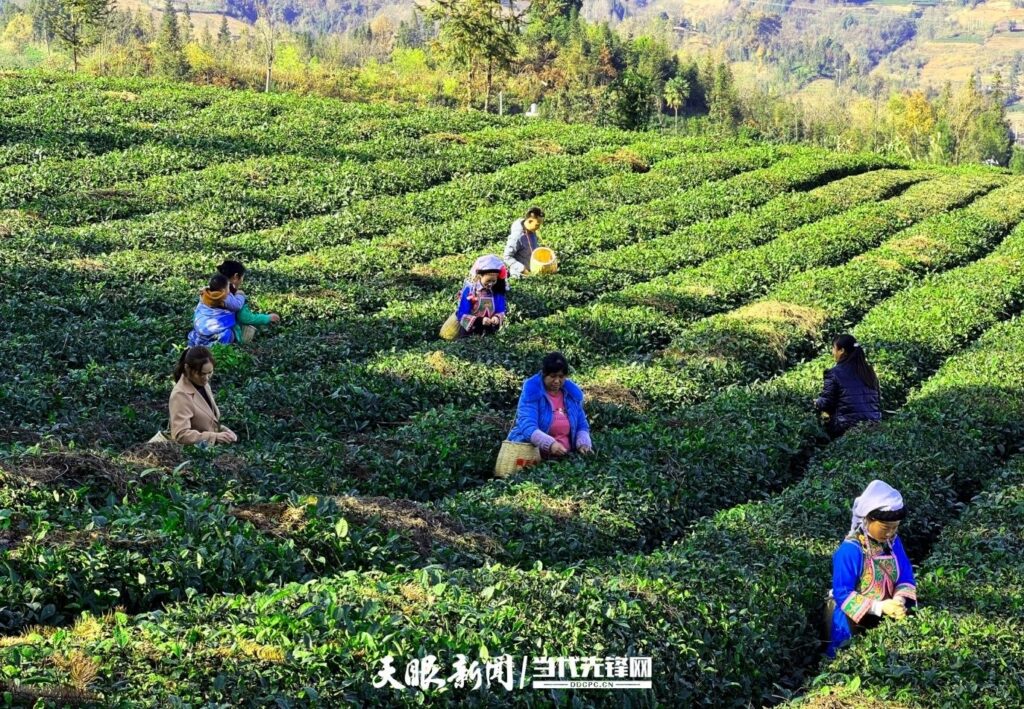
x=269 y=16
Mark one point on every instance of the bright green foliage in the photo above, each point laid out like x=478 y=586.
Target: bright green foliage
x=701 y=282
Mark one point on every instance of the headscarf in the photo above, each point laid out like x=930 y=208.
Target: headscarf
x=490 y=262
x=213 y=298
x=878 y=496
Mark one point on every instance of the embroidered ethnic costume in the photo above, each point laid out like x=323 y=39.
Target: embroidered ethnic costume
x=866 y=571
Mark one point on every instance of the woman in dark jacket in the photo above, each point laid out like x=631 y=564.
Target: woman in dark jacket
x=850 y=395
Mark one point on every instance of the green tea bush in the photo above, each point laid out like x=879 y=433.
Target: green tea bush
x=725 y=613
x=701 y=280
x=744 y=442
x=963 y=646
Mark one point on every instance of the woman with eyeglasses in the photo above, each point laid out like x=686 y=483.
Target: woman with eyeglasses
x=872 y=577
x=195 y=418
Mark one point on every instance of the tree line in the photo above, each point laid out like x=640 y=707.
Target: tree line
x=497 y=56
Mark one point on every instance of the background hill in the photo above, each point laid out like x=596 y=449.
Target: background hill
x=918 y=44
x=937 y=82
x=804 y=49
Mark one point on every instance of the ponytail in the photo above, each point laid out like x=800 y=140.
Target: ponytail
x=854 y=354
x=194 y=358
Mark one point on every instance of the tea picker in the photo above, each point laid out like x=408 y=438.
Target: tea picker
x=194 y=414
x=550 y=421
x=871 y=574
x=523 y=253
x=222 y=315
x=481 y=308
x=850 y=394
x=247 y=322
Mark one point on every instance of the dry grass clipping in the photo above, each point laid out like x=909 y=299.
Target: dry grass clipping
x=156 y=455
x=123 y=95
x=82 y=539
x=71 y=469
x=766 y=317
x=628 y=158
x=440 y=363
x=81 y=668
x=844 y=699
x=546 y=147
x=250 y=649
x=277 y=518
x=227 y=463
x=917 y=247
x=30 y=636
x=609 y=392
x=87 y=628
x=809 y=320
x=424 y=527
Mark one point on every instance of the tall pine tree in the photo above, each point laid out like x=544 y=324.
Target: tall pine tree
x=77 y=23
x=170 y=59
x=186 y=26
x=724 y=107
x=224 y=33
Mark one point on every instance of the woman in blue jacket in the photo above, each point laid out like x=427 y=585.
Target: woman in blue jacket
x=550 y=413
x=850 y=395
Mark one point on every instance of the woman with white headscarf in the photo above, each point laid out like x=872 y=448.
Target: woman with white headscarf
x=481 y=309
x=871 y=574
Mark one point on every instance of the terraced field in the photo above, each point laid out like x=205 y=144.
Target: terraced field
x=702 y=281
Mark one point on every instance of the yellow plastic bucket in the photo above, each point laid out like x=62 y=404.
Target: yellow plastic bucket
x=543 y=260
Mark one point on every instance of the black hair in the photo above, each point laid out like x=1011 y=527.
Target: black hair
x=218 y=282
x=887 y=515
x=854 y=353
x=195 y=358
x=230 y=269
x=554 y=363
x=534 y=212
x=500 y=286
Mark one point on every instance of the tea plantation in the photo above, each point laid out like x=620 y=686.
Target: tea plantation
x=701 y=282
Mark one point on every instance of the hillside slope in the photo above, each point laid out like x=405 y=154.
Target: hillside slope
x=701 y=282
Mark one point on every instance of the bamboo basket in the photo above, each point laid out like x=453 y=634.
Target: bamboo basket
x=543 y=260
x=515 y=456
x=450 y=329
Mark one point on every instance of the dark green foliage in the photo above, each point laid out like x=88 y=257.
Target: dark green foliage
x=357 y=516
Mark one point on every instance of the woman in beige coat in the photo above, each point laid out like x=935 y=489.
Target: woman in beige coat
x=195 y=417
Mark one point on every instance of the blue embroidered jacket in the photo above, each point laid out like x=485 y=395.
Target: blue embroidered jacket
x=856 y=584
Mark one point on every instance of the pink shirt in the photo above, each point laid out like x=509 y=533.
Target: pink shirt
x=560 y=429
